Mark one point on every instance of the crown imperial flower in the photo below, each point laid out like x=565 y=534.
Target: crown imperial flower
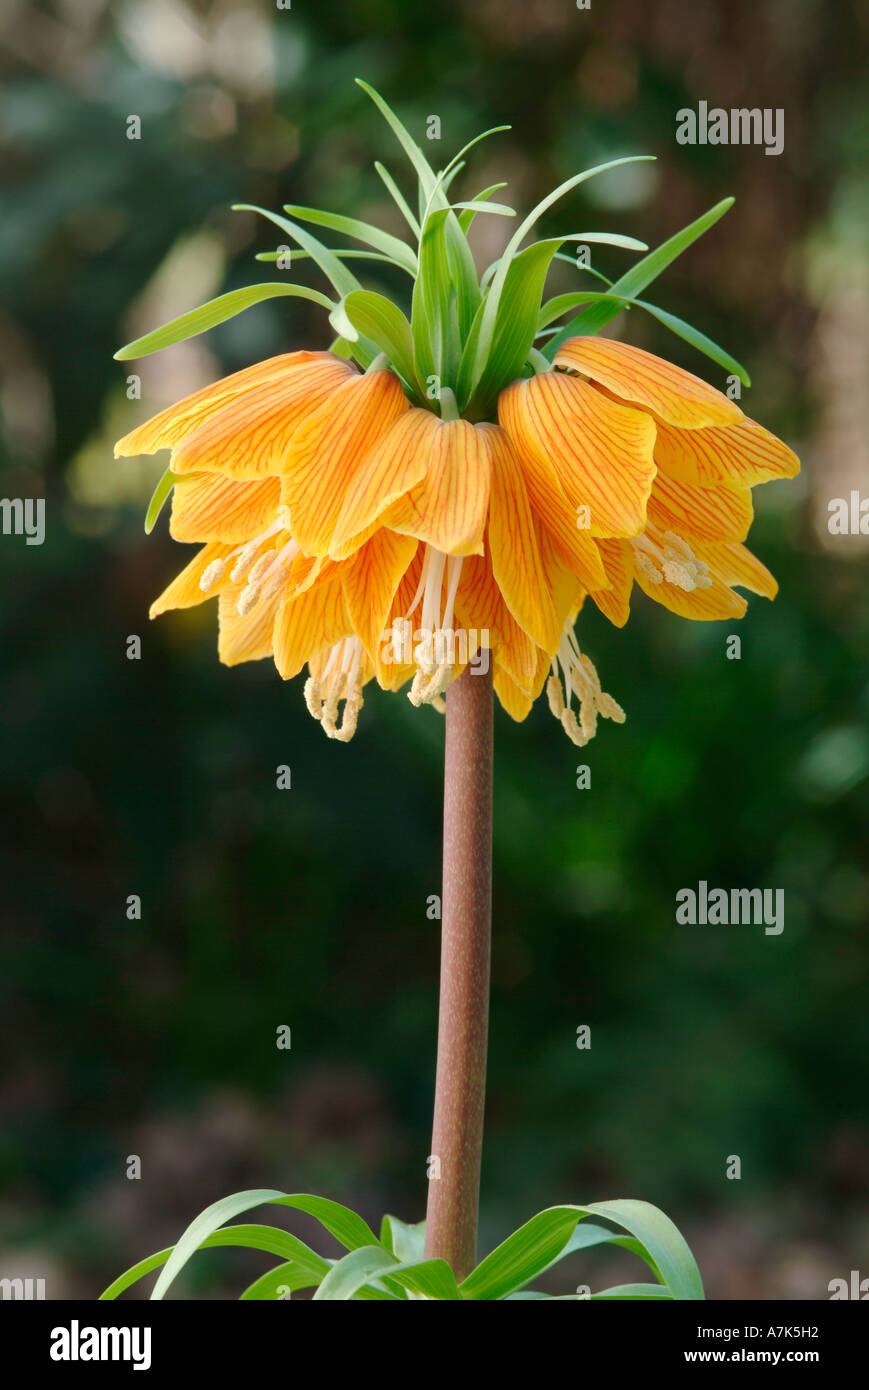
x=453 y=494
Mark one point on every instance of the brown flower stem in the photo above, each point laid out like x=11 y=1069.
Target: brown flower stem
x=466 y=933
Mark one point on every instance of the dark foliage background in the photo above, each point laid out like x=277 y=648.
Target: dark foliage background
x=308 y=907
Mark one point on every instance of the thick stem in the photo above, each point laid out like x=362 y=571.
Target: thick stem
x=466 y=931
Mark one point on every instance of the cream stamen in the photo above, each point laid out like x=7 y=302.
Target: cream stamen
x=664 y=555
x=580 y=679
x=435 y=652
x=339 y=681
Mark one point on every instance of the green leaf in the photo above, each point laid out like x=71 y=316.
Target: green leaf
x=544 y=1238
x=430 y=311
x=467 y=216
x=355 y=1270
x=475 y=205
x=457 y=158
x=342 y=280
x=563 y=303
x=344 y=253
x=492 y=303
x=342 y=1223
x=268 y=1238
x=626 y=243
x=635 y=280
x=265 y=1288
x=424 y=171
x=158 y=498
x=697 y=339
x=633 y=1291
x=521 y=1256
x=384 y=324
x=426 y=1278
x=662 y=1239
x=398 y=251
x=586 y=1235
x=515 y=325
x=586 y=269
x=226 y=306
x=405 y=1242
x=398 y=198
x=430 y=1278
x=433 y=196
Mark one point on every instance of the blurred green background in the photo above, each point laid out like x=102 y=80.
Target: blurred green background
x=308 y=907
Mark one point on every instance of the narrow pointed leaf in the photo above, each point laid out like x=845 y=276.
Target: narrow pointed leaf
x=344 y=253
x=541 y=1240
x=267 y=1288
x=563 y=303
x=216 y=311
x=342 y=1223
x=635 y=280
x=475 y=205
x=267 y=1238
x=398 y=197
x=342 y=280
x=391 y=246
x=354 y=1271
x=431 y=1278
x=492 y=304
x=697 y=339
x=633 y=1291
x=431 y=300
x=424 y=171
x=467 y=217
x=158 y=499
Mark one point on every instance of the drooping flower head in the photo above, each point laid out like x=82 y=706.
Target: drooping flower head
x=447 y=489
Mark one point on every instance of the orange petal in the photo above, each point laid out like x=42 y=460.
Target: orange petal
x=448 y=508
x=391 y=674
x=370 y=582
x=398 y=461
x=722 y=513
x=247 y=638
x=328 y=449
x=184 y=591
x=515 y=553
x=516 y=701
x=618 y=562
x=745 y=454
x=210 y=507
x=676 y=396
x=250 y=437
x=480 y=609
x=167 y=429
x=734 y=564
x=600 y=451
x=704 y=605
x=517 y=704
x=315 y=618
x=566 y=591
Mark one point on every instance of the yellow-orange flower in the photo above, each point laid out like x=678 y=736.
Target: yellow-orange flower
x=346 y=528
